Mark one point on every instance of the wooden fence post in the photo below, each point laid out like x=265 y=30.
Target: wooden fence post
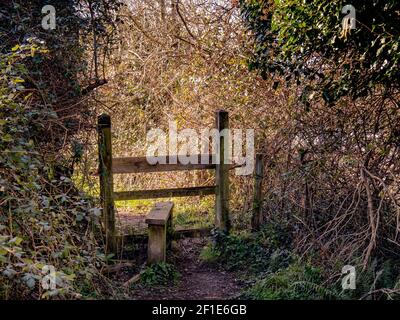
x=257 y=199
x=106 y=181
x=222 y=174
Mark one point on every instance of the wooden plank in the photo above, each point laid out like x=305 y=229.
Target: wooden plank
x=222 y=176
x=191 y=233
x=257 y=197
x=141 y=240
x=106 y=181
x=140 y=164
x=157 y=244
x=160 y=213
x=162 y=169
x=164 y=193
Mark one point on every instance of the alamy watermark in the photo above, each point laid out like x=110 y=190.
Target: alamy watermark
x=185 y=146
x=49 y=279
x=349 y=280
x=49 y=20
x=349 y=20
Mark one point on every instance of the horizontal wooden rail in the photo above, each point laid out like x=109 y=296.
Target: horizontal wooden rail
x=140 y=164
x=142 y=239
x=136 y=165
x=164 y=193
x=181 y=233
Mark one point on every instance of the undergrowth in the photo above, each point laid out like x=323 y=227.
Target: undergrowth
x=298 y=281
x=268 y=261
x=267 y=250
x=48 y=247
x=159 y=274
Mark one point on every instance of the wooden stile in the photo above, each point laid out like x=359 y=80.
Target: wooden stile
x=109 y=166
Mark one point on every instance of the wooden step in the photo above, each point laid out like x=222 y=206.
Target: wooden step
x=160 y=213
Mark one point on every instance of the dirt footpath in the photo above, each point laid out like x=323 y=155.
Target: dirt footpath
x=198 y=280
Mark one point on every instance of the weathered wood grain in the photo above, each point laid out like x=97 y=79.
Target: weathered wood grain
x=222 y=176
x=106 y=181
x=164 y=193
x=141 y=165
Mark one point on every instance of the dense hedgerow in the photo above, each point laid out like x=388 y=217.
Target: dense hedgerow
x=46 y=224
x=43 y=218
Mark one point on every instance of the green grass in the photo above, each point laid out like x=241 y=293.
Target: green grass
x=194 y=214
x=187 y=213
x=131 y=205
x=209 y=254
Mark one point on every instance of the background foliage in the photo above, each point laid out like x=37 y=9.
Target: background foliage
x=306 y=41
